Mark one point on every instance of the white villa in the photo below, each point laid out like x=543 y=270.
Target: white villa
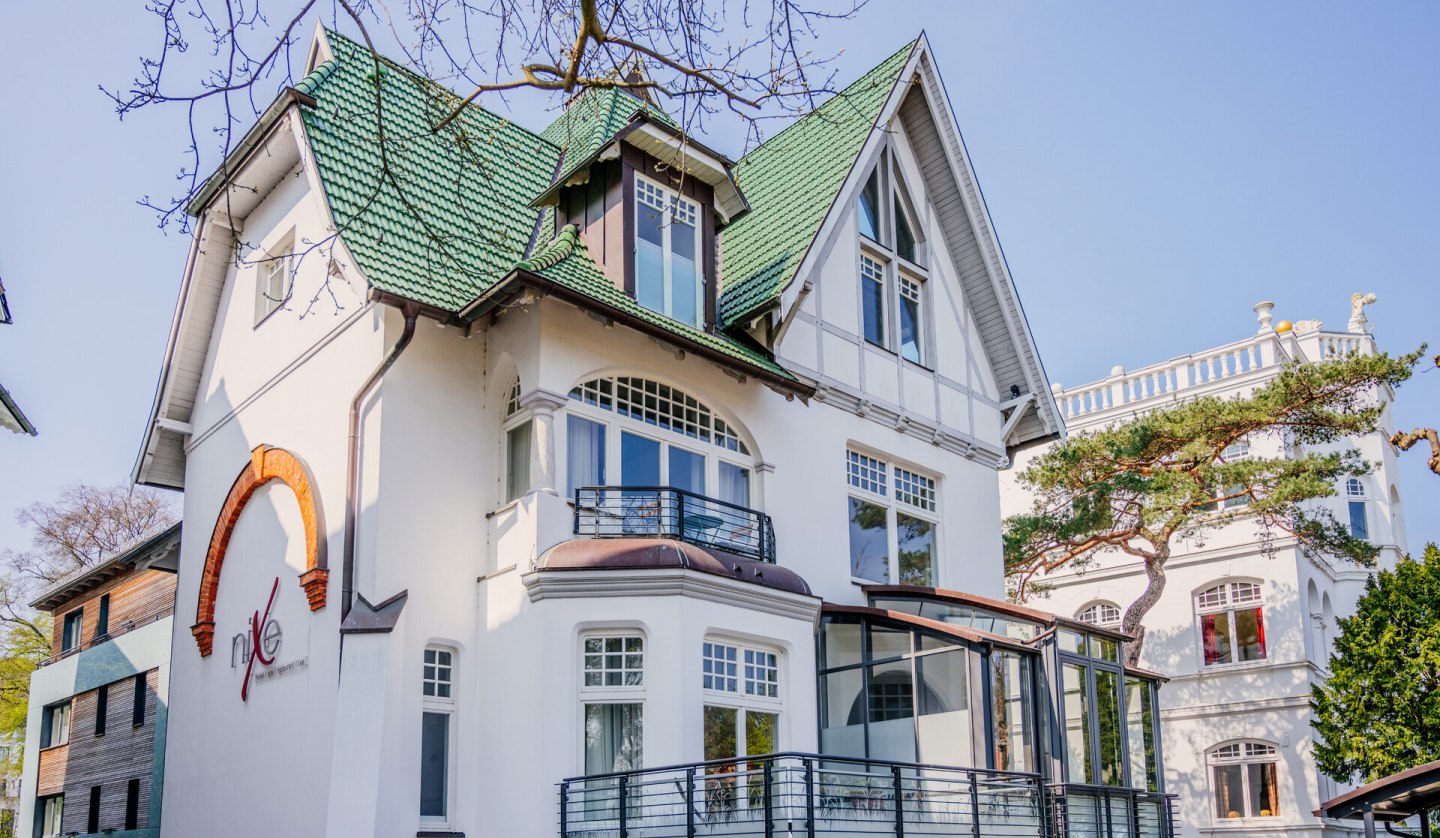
x=586 y=482
x=1241 y=635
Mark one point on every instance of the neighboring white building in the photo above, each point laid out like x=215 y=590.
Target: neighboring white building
x=573 y=451
x=1241 y=635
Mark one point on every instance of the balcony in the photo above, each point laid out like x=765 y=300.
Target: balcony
x=802 y=794
x=667 y=512
x=123 y=628
x=1081 y=811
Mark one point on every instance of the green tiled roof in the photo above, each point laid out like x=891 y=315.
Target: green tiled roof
x=589 y=122
x=450 y=218
x=791 y=180
x=565 y=260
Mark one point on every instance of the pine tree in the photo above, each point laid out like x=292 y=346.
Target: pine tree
x=1379 y=713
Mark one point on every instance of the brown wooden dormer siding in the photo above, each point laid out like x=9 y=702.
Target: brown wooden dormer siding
x=134 y=597
x=604 y=211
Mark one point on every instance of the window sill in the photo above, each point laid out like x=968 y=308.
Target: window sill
x=918 y=365
x=1242 y=666
x=873 y=345
x=431 y=833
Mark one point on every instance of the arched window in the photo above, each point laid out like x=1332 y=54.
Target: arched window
x=1244 y=780
x=628 y=431
x=1232 y=623
x=1102 y=614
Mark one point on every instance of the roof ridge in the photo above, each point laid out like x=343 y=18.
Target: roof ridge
x=554 y=251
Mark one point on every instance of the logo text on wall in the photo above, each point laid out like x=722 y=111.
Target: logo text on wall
x=260 y=643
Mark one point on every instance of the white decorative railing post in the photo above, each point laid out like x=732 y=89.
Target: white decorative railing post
x=1117 y=386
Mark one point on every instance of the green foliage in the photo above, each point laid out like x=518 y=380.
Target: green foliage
x=1138 y=485
x=1379 y=713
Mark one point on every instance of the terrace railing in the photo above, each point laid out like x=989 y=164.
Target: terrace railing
x=1083 y=811
x=120 y=628
x=667 y=512
x=802 y=794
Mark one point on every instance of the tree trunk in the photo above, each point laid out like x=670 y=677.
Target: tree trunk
x=1132 y=625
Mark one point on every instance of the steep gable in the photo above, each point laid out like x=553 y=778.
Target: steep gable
x=791 y=181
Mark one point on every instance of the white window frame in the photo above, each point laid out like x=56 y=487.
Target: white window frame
x=681 y=205
x=713 y=453
x=1248 y=752
x=1355 y=494
x=1228 y=603
x=619 y=694
x=895 y=269
x=743 y=701
x=894 y=475
x=515 y=416
x=1100 y=607
x=444 y=705
x=274 y=277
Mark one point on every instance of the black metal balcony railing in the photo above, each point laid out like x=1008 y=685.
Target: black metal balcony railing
x=667 y=512
x=1081 y=811
x=802 y=794
x=123 y=628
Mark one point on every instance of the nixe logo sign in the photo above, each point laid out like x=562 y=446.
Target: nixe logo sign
x=260 y=643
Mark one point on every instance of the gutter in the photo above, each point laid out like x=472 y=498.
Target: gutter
x=236 y=160
x=14 y=409
x=352 y=467
x=520 y=279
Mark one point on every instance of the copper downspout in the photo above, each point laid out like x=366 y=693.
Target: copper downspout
x=352 y=469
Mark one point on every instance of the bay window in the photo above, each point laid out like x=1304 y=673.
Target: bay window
x=668 y=274
x=893 y=520
x=1232 y=623
x=1245 y=784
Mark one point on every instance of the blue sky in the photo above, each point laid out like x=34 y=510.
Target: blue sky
x=1153 y=171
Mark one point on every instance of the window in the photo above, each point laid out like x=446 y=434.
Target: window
x=1103 y=614
x=1012 y=708
x=517 y=445
x=1359 y=517
x=911 y=302
x=437 y=680
x=55 y=725
x=92 y=818
x=274 y=276
x=1232 y=624
x=437 y=691
x=102 y=708
x=51 y=812
x=617 y=661
x=1140 y=729
x=70 y=636
x=659 y=405
x=891 y=263
x=741 y=714
x=872 y=295
x=1093 y=708
x=667 y=243
x=132 y=804
x=1245 y=780
x=892 y=533
x=137 y=711
x=102 y=622
x=613 y=680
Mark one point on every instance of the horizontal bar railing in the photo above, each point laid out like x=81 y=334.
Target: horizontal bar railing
x=1086 y=811
x=123 y=628
x=802 y=794
x=667 y=512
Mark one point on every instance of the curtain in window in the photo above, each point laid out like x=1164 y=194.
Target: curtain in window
x=1208 y=638
x=734 y=484
x=586 y=445
x=612 y=738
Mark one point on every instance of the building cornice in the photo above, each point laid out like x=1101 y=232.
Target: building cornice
x=660 y=582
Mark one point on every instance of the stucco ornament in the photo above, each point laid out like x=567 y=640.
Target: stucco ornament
x=1305 y=327
x=1359 y=324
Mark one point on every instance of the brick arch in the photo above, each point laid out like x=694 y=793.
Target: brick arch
x=266 y=464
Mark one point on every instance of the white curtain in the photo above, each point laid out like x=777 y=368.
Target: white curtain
x=586 y=445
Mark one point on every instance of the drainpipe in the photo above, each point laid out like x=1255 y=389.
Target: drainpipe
x=352 y=469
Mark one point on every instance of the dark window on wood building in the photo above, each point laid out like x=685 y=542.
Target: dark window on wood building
x=138 y=714
x=70 y=638
x=102 y=706
x=102 y=623
x=93 y=817
x=132 y=805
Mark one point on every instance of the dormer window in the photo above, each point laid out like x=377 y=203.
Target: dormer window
x=668 y=278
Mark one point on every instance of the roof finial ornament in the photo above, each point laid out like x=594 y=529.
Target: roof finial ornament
x=1359 y=324
x=1262 y=314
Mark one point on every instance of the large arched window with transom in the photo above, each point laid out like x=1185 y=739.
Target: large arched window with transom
x=1244 y=781
x=1103 y=614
